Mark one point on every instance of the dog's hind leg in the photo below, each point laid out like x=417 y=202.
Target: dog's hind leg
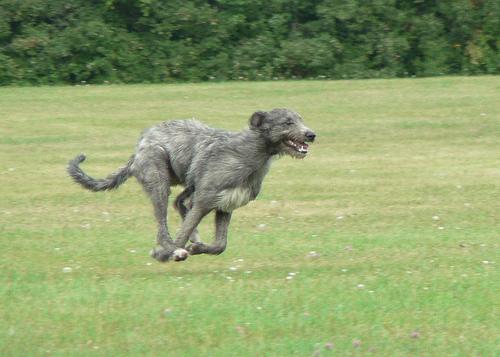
x=182 y=208
x=222 y=220
x=153 y=175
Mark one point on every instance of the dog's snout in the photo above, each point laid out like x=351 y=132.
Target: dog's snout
x=310 y=136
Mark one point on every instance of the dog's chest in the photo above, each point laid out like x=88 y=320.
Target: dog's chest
x=232 y=198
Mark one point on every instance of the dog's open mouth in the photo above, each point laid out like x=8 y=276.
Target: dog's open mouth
x=298 y=146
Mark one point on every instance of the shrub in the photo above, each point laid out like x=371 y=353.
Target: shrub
x=73 y=41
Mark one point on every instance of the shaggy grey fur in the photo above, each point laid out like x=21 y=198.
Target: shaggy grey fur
x=220 y=171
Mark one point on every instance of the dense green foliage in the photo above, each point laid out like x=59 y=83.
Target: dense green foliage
x=96 y=41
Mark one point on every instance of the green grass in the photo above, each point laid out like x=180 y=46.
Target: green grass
x=399 y=196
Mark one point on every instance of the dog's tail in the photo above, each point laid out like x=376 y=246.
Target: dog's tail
x=109 y=183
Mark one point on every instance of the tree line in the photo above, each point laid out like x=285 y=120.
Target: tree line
x=140 y=41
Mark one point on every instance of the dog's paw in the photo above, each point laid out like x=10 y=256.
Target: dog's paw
x=196 y=248
x=162 y=255
x=180 y=254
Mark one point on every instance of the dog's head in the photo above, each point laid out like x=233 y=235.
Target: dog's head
x=284 y=131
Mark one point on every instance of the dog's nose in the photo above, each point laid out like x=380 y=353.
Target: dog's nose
x=310 y=136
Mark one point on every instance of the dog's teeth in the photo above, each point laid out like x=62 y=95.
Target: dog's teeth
x=302 y=148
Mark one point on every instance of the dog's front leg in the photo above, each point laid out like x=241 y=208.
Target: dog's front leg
x=193 y=218
x=222 y=220
x=177 y=252
x=183 y=208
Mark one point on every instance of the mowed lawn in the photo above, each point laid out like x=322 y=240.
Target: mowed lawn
x=385 y=240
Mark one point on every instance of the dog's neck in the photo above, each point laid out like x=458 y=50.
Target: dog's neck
x=259 y=145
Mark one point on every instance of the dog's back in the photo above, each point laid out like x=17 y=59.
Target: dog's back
x=184 y=142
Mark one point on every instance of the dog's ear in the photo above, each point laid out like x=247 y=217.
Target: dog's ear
x=257 y=119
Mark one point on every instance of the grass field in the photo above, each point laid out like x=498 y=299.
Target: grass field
x=399 y=198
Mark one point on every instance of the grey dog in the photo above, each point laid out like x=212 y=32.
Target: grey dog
x=219 y=170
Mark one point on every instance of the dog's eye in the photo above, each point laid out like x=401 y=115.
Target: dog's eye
x=289 y=122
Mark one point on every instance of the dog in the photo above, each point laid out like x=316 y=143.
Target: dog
x=219 y=170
